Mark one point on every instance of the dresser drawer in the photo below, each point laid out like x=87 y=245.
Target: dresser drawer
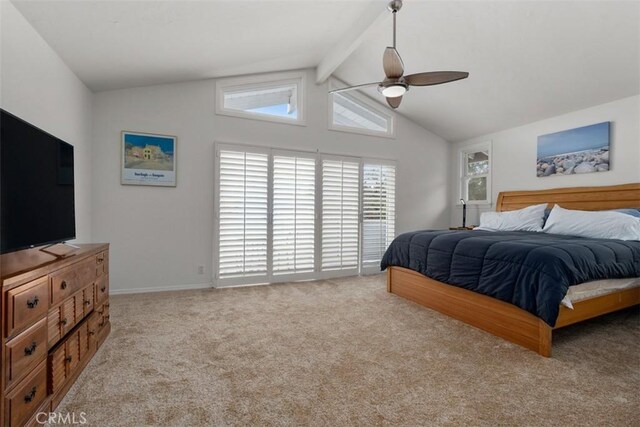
x=102 y=263
x=102 y=289
x=25 y=351
x=26 y=303
x=57 y=369
x=65 y=359
x=53 y=326
x=67 y=281
x=72 y=352
x=68 y=315
x=93 y=328
x=88 y=299
x=27 y=396
x=83 y=336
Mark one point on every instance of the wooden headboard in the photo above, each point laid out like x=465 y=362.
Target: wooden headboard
x=582 y=198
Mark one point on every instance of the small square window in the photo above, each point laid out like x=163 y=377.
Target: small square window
x=262 y=98
x=475 y=177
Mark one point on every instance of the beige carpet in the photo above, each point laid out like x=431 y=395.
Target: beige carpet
x=345 y=352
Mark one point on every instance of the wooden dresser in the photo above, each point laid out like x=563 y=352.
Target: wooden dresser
x=55 y=315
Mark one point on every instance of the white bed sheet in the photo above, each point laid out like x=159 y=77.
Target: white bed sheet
x=596 y=288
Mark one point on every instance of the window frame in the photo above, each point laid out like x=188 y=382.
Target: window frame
x=365 y=102
x=464 y=177
x=263 y=81
x=291 y=276
x=372 y=161
x=340 y=272
x=238 y=280
x=318 y=273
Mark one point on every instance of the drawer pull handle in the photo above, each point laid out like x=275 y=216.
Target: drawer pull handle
x=68 y=359
x=87 y=302
x=33 y=302
x=29 y=350
x=63 y=322
x=100 y=260
x=92 y=332
x=102 y=289
x=29 y=397
x=63 y=285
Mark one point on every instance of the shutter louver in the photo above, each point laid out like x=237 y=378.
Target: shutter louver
x=293 y=214
x=340 y=214
x=243 y=214
x=378 y=211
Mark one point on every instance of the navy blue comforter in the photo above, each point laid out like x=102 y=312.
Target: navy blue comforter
x=530 y=270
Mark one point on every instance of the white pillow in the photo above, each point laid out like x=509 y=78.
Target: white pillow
x=527 y=219
x=594 y=224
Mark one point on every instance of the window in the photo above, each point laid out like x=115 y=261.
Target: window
x=268 y=97
x=294 y=179
x=378 y=212
x=475 y=178
x=340 y=214
x=288 y=215
x=242 y=214
x=353 y=112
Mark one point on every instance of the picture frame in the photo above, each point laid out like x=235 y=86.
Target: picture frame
x=575 y=151
x=148 y=159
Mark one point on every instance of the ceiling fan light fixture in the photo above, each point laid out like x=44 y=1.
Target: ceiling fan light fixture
x=394 y=91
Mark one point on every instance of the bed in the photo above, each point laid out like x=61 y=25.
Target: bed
x=531 y=327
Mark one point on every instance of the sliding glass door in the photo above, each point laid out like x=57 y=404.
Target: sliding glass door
x=288 y=215
x=293 y=217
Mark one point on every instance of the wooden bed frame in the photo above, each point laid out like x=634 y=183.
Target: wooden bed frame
x=506 y=320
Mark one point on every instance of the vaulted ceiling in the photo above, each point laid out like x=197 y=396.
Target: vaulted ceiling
x=528 y=60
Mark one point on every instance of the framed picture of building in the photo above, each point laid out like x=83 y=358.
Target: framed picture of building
x=148 y=159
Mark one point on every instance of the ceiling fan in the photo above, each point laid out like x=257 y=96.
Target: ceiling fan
x=396 y=84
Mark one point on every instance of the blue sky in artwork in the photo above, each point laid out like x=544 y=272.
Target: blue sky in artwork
x=275 y=110
x=569 y=141
x=166 y=144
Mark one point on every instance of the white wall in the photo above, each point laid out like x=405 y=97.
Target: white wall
x=37 y=86
x=514 y=154
x=160 y=235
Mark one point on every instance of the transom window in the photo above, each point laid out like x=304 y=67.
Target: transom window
x=262 y=97
x=475 y=180
x=353 y=112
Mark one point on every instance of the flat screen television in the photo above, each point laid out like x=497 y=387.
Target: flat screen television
x=37 y=191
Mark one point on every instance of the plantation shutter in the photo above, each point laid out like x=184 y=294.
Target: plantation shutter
x=378 y=212
x=294 y=179
x=340 y=214
x=242 y=213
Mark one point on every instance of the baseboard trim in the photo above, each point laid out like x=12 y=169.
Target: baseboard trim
x=161 y=289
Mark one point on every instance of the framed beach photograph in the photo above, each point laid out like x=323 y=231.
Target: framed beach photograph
x=575 y=151
x=148 y=159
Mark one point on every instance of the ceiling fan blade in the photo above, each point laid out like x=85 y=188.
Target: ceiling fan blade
x=344 y=89
x=392 y=63
x=435 y=77
x=394 y=102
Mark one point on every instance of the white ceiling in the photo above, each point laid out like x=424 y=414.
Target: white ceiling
x=116 y=44
x=528 y=60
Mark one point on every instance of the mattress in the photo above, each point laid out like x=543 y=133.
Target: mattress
x=597 y=288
